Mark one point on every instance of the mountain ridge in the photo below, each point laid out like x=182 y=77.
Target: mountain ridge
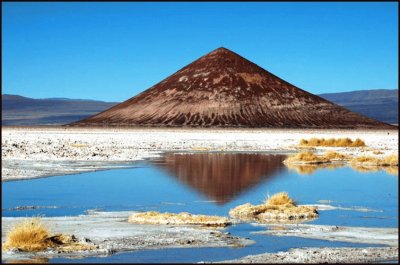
x=359 y=105
x=380 y=104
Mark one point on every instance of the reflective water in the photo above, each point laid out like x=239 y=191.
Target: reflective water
x=211 y=183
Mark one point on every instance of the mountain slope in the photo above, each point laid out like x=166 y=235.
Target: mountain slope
x=380 y=104
x=223 y=89
x=18 y=110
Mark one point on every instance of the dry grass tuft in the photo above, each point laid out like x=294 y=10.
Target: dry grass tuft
x=200 y=148
x=391 y=160
x=278 y=208
x=368 y=168
x=178 y=219
x=308 y=169
x=32 y=235
x=364 y=169
x=280 y=199
x=392 y=170
x=365 y=160
x=340 y=142
x=28 y=235
x=303 y=169
x=331 y=155
x=306 y=158
x=377 y=152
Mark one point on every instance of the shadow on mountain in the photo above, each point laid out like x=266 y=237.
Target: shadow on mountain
x=221 y=176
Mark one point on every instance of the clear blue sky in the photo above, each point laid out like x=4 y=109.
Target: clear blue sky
x=112 y=51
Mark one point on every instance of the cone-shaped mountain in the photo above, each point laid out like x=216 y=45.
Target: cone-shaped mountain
x=223 y=89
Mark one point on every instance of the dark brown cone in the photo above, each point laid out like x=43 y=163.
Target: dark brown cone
x=223 y=89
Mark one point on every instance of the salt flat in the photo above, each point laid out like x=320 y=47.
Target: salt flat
x=24 y=146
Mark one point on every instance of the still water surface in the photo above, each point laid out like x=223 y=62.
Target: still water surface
x=211 y=183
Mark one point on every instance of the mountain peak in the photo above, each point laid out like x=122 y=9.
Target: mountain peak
x=223 y=89
x=221 y=50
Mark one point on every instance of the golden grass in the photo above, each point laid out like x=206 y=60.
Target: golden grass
x=306 y=158
x=183 y=218
x=331 y=155
x=200 y=148
x=303 y=169
x=391 y=160
x=28 y=235
x=308 y=169
x=364 y=169
x=280 y=199
x=278 y=208
x=32 y=235
x=392 y=170
x=311 y=158
x=340 y=142
x=377 y=152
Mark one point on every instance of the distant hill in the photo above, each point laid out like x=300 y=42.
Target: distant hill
x=18 y=110
x=380 y=104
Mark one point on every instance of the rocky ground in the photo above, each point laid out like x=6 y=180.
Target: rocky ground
x=384 y=236
x=68 y=150
x=111 y=232
x=325 y=255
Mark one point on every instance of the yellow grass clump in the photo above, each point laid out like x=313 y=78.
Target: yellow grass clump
x=308 y=169
x=392 y=170
x=32 y=235
x=391 y=160
x=303 y=169
x=306 y=158
x=28 y=235
x=183 y=218
x=340 y=142
x=280 y=199
x=331 y=155
x=200 y=149
x=377 y=152
x=364 y=169
x=311 y=158
x=278 y=208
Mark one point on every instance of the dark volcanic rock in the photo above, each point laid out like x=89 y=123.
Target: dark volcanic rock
x=223 y=89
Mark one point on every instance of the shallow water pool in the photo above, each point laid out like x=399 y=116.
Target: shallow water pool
x=211 y=183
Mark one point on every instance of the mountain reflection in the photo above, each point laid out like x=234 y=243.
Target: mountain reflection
x=221 y=176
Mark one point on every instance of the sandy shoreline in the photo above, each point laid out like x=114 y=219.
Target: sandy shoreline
x=62 y=146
